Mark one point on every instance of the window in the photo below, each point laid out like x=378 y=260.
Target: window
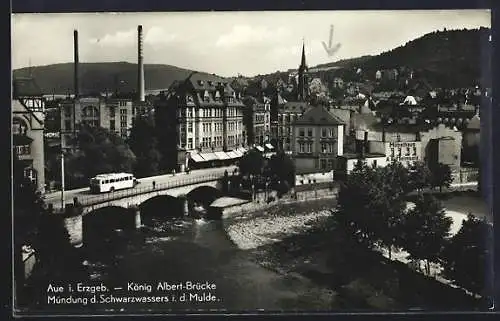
x=23 y=150
x=19 y=127
x=112 y=112
x=375 y=162
x=123 y=112
x=67 y=124
x=392 y=152
x=309 y=148
x=123 y=103
x=123 y=124
x=309 y=132
x=324 y=148
x=190 y=143
x=112 y=125
x=323 y=132
x=67 y=111
x=407 y=151
x=301 y=132
x=323 y=164
x=190 y=127
x=331 y=132
x=123 y=118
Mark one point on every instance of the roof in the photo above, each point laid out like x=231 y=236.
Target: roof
x=204 y=81
x=342 y=114
x=295 y=107
x=318 y=116
x=474 y=123
x=26 y=86
x=402 y=128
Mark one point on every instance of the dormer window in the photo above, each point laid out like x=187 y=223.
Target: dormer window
x=217 y=95
x=189 y=98
x=206 y=96
x=210 y=83
x=200 y=82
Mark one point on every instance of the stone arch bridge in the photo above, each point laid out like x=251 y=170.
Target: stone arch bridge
x=201 y=191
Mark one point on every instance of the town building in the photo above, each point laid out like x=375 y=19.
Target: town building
x=318 y=138
x=114 y=114
x=208 y=117
x=346 y=163
x=287 y=114
x=28 y=116
x=257 y=120
x=412 y=143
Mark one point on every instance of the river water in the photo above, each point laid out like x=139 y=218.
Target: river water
x=214 y=274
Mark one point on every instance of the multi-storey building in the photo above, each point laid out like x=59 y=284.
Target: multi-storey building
x=27 y=129
x=114 y=114
x=287 y=115
x=318 y=138
x=257 y=120
x=209 y=119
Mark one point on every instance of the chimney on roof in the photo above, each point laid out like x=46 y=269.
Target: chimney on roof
x=76 y=75
x=140 y=65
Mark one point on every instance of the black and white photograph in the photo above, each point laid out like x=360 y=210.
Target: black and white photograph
x=251 y=162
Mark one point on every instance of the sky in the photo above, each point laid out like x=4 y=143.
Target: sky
x=226 y=43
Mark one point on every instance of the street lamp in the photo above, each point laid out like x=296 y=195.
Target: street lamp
x=62 y=176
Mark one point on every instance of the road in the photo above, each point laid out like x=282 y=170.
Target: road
x=84 y=193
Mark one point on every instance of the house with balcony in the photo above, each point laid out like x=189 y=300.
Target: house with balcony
x=28 y=116
x=318 y=138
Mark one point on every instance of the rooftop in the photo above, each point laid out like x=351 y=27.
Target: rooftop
x=318 y=116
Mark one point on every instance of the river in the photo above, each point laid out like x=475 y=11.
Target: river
x=181 y=250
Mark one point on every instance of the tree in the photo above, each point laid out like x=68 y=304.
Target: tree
x=441 y=176
x=144 y=144
x=282 y=167
x=36 y=227
x=251 y=163
x=354 y=204
x=425 y=229
x=100 y=151
x=420 y=176
x=467 y=259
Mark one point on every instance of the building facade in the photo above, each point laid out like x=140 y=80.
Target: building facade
x=28 y=115
x=209 y=119
x=114 y=114
x=318 y=138
x=287 y=115
x=412 y=143
x=257 y=121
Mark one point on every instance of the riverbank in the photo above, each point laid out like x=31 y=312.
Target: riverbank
x=301 y=239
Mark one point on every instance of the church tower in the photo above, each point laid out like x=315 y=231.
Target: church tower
x=302 y=88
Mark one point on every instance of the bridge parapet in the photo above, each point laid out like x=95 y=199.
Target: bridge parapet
x=91 y=200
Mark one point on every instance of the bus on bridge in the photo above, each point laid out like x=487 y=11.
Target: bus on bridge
x=112 y=182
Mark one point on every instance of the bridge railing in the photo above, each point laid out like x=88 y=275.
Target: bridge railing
x=119 y=194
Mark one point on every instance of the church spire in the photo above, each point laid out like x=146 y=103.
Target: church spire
x=302 y=90
x=303 y=64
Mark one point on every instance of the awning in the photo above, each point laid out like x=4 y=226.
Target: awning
x=222 y=155
x=21 y=140
x=259 y=148
x=242 y=150
x=196 y=157
x=233 y=154
x=269 y=146
x=237 y=153
x=209 y=156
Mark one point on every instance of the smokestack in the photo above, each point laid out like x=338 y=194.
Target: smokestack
x=140 y=65
x=76 y=90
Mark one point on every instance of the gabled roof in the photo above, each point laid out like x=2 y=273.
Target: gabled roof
x=204 y=81
x=26 y=86
x=318 y=116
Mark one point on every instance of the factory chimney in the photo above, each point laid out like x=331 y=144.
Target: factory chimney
x=76 y=84
x=140 y=65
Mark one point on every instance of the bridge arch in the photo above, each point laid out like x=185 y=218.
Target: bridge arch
x=161 y=206
x=204 y=195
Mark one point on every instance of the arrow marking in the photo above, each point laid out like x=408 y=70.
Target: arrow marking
x=331 y=49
